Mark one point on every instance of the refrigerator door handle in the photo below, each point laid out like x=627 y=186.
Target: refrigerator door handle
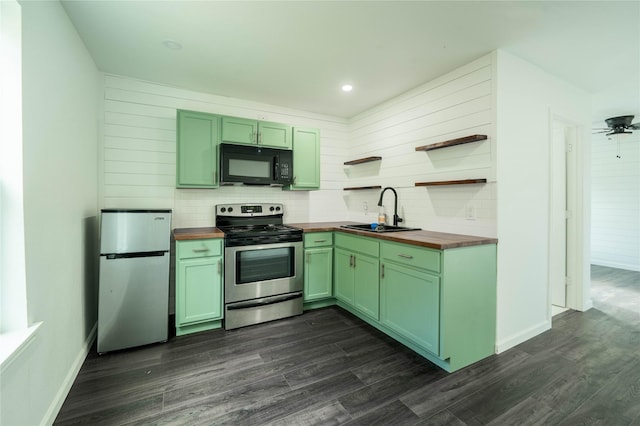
x=133 y=255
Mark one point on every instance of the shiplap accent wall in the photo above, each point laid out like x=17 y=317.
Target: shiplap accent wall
x=615 y=201
x=139 y=147
x=458 y=104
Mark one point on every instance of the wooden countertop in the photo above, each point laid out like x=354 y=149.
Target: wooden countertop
x=430 y=239
x=196 y=233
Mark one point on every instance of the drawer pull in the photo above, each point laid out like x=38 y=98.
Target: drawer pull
x=406 y=256
x=202 y=250
x=320 y=241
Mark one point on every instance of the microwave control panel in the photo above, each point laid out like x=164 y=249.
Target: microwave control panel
x=284 y=171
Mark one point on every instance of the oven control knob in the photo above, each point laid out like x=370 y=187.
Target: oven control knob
x=271 y=208
x=230 y=209
x=223 y=209
x=278 y=208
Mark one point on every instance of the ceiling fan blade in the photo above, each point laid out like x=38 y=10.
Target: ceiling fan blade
x=603 y=131
x=634 y=126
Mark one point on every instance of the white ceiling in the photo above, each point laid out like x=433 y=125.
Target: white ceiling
x=298 y=53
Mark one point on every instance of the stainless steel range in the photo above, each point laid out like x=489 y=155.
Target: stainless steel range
x=263 y=264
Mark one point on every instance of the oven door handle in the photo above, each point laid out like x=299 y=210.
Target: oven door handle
x=264 y=301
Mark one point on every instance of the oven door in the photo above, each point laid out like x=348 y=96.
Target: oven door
x=259 y=271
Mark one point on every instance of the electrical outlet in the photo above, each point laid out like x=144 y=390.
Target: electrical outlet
x=470 y=213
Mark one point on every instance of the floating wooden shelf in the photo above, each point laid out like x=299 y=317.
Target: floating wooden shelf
x=452 y=142
x=452 y=182
x=358 y=188
x=362 y=160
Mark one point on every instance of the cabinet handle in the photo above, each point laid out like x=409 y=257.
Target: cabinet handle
x=354 y=260
x=319 y=241
x=202 y=250
x=219 y=267
x=382 y=271
x=406 y=256
x=259 y=137
x=350 y=260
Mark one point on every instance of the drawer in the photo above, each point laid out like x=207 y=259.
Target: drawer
x=198 y=248
x=318 y=239
x=418 y=257
x=364 y=245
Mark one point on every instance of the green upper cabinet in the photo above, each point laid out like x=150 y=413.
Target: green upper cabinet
x=198 y=136
x=252 y=132
x=306 y=159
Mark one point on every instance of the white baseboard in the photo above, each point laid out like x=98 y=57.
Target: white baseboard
x=57 y=402
x=523 y=336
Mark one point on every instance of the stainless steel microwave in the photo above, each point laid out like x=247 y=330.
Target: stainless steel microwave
x=255 y=165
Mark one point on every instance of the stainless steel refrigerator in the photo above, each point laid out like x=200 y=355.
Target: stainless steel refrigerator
x=133 y=304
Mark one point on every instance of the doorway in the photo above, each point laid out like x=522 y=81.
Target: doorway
x=563 y=230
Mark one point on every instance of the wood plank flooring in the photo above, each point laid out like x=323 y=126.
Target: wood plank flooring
x=327 y=367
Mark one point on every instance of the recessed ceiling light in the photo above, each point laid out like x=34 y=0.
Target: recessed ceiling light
x=171 y=44
x=347 y=87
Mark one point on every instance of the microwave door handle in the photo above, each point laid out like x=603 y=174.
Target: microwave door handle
x=276 y=168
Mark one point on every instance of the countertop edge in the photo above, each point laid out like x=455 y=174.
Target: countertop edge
x=416 y=238
x=422 y=238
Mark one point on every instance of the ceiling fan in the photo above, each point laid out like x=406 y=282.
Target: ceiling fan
x=618 y=125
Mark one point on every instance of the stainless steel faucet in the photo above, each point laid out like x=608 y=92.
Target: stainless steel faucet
x=396 y=218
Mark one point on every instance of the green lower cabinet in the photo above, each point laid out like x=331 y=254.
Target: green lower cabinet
x=318 y=273
x=199 y=276
x=410 y=305
x=343 y=275
x=366 y=285
x=356 y=281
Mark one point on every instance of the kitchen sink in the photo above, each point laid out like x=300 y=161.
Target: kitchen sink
x=379 y=229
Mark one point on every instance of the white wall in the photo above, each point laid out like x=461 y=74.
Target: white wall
x=615 y=202
x=457 y=104
x=60 y=206
x=139 y=145
x=13 y=295
x=527 y=98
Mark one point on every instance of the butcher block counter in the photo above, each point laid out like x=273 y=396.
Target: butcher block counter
x=197 y=233
x=430 y=239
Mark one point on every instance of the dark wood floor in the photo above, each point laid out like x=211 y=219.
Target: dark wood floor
x=328 y=367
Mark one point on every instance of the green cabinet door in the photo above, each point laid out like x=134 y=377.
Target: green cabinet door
x=276 y=135
x=410 y=305
x=318 y=273
x=199 y=290
x=306 y=159
x=356 y=276
x=239 y=130
x=366 y=285
x=343 y=275
x=199 y=278
x=252 y=132
x=198 y=135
